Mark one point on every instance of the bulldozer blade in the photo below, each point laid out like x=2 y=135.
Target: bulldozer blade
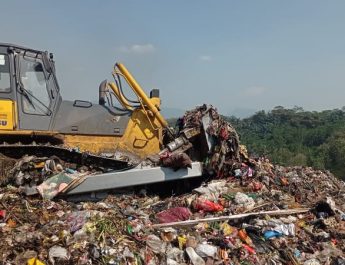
x=134 y=177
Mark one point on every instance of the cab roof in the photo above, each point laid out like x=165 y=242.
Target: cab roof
x=15 y=46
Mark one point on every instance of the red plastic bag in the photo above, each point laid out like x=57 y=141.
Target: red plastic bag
x=173 y=215
x=224 y=133
x=2 y=214
x=249 y=249
x=207 y=206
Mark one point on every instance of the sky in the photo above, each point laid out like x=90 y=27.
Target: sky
x=236 y=55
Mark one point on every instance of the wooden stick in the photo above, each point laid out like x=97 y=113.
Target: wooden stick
x=231 y=217
x=259 y=206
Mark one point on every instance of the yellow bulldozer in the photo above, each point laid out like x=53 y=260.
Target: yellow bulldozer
x=31 y=108
x=35 y=120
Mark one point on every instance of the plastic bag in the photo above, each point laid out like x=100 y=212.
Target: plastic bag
x=156 y=244
x=194 y=258
x=272 y=234
x=207 y=206
x=57 y=252
x=206 y=250
x=35 y=261
x=173 y=215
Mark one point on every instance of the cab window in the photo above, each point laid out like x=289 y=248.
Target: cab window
x=5 y=84
x=35 y=99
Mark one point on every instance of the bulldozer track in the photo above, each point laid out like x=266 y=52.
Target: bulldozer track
x=16 y=151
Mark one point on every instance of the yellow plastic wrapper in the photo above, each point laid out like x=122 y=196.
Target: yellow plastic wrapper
x=301 y=223
x=35 y=261
x=39 y=165
x=181 y=241
x=227 y=229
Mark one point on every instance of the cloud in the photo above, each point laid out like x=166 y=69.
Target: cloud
x=138 y=49
x=254 y=91
x=205 y=58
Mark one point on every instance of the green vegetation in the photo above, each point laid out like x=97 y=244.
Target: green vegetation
x=296 y=137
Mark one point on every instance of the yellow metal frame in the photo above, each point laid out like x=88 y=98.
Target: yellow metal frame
x=7 y=115
x=141 y=94
x=139 y=138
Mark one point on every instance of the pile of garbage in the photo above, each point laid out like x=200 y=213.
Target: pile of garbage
x=250 y=212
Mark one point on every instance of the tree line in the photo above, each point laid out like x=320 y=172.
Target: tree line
x=296 y=137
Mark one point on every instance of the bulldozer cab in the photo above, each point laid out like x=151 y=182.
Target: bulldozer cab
x=28 y=88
